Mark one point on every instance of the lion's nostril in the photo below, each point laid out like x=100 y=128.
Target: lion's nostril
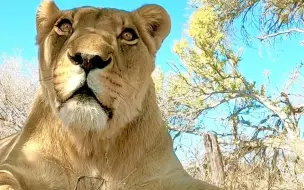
x=96 y=60
x=89 y=61
x=99 y=63
x=77 y=59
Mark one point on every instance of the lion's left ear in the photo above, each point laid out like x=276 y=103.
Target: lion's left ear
x=157 y=22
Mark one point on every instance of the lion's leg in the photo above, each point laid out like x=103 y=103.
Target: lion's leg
x=8 y=181
x=6 y=187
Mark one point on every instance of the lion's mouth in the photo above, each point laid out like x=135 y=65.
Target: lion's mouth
x=85 y=92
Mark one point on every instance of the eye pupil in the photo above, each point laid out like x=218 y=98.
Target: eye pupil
x=129 y=35
x=64 y=25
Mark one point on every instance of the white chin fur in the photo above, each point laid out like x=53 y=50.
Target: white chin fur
x=86 y=115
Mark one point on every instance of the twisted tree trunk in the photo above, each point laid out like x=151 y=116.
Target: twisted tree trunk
x=214 y=157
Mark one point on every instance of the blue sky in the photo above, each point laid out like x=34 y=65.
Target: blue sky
x=18 y=23
x=18 y=32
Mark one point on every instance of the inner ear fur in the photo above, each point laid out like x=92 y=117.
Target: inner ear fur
x=46 y=16
x=157 y=22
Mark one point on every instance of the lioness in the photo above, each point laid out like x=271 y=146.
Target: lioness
x=95 y=123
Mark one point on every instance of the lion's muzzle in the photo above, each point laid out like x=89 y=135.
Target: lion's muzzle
x=90 y=51
x=89 y=61
x=82 y=91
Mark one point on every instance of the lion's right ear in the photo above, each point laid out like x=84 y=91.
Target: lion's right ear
x=156 y=21
x=46 y=17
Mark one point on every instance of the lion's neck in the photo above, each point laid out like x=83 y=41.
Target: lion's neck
x=144 y=135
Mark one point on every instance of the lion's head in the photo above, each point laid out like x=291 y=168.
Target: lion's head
x=96 y=63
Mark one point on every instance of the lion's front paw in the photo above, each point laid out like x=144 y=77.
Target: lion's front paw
x=8 y=181
x=6 y=187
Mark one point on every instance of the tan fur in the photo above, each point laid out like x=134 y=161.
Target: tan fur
x=72 y=142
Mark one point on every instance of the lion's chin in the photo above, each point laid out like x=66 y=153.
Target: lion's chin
x=84 y=115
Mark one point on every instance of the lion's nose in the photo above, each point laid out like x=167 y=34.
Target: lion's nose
x=90 y=61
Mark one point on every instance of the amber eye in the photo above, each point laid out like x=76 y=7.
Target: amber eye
x=64 y=26
x=129 y=36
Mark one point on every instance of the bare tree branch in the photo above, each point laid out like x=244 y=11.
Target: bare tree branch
x=286 y=32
